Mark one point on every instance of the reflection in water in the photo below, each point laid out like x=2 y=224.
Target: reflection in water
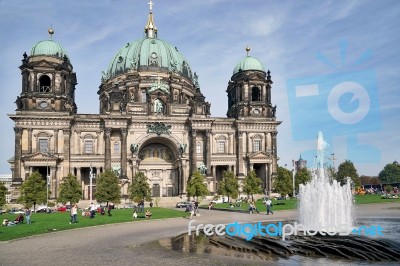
x=305 y=250
x=203 y=244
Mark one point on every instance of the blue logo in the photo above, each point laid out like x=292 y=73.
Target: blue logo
x=340 y=104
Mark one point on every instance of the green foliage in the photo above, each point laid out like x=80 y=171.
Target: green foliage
x=3 y=193
x=229 y=185
x=139 y=189
x=107 y=187
x=196 y=186
x=390 y=173
x=347 y=169
x=51 y=204
x=283 y=183
x=368 y=180
x=252 y=184
x=302 y=176
x=331 y=173
x=33 y=190
x=388 y=188
x=70 y=190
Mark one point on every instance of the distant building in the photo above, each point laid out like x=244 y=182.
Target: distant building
x=152 y=118
x=300 y=164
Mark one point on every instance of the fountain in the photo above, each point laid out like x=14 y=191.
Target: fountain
x=325 y=205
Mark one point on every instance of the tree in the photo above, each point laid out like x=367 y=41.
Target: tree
x=107 y=187
x=388 y=188
x=252 y=184
x=390 y=173
x=196 y=186
x=347 y=169
x=139 y=189
x=70 y=190
x=229 y=185
x=331 y=173
x=3 y=193
x=302 y=176
x=283 y=183
x=369 y=180
x=33 y=191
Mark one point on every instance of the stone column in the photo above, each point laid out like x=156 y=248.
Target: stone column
x=77 y=142
x=98 y=142
x=275 y=152
x=124 y=155
x=18 y=153
x=230 y=143
x=208 y=156
x=269 y=176
x=214 y=175
x=184 y=175
x=30 y=140
x=56 y=141
x=66 y=151
x=78 y=175
x=107 y=163
x=247 y=143
x=240 y=154
x=193 y=149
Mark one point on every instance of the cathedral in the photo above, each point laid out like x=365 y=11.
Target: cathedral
x=153 y=118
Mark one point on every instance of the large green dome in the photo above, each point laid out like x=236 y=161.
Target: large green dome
x=49 y=47
x=148 y=54
x=249 y=63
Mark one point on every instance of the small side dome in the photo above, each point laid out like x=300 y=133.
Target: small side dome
x=49 y=47
x=249 y=63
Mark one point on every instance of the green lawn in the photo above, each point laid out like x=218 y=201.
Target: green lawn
x=279 y=205
x=44 y=223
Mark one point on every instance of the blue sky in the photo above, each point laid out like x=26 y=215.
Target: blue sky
x=330 y=45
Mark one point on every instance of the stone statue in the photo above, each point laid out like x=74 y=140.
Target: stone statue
x=273 y=111
x=182 y=149
x=134 y=148
x=203 y=169
x=158 y=106
x=18 y=101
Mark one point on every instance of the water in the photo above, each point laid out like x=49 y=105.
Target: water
x=325 y=205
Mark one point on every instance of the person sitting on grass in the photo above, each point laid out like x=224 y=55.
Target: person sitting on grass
x=6 y=222
x=148 y=214
x=19 y=219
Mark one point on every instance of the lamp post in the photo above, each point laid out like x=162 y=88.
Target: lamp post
x=293 y=175
x=48 y=154
x=91 y=176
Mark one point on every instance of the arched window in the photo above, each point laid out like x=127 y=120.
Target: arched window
x=88 y=144
x=44 y=83
x=257 y=142
x=255 y=94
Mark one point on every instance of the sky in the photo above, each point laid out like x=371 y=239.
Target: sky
x=334 y=64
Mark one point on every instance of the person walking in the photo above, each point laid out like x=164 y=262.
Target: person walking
x=268 y=203
x=28 y=216
x=191 y=210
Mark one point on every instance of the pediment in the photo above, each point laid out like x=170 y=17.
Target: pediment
x=159 y=91
x=43 y=63
x=38 y=156
x=259 y=155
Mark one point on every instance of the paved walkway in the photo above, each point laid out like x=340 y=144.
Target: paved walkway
x=127 y=243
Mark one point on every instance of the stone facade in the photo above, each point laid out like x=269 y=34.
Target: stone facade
x=151 y=119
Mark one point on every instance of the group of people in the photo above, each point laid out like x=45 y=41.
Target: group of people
x=147 y=214
x=268 y=204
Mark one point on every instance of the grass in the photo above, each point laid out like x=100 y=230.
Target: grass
x=44 y=223
x=290 y=204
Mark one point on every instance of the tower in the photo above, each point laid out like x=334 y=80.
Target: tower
x=249 y=90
